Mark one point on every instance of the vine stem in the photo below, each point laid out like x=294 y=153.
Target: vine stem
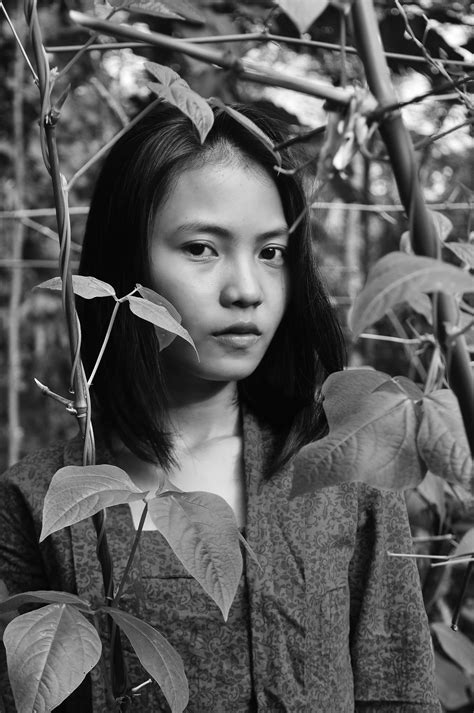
x=19 y=42
x=131 y=556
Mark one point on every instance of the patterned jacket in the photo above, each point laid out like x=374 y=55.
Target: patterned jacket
x=336 y=625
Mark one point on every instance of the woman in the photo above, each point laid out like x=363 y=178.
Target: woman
x=323 y=620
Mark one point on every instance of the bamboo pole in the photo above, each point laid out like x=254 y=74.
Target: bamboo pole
x=422 y=229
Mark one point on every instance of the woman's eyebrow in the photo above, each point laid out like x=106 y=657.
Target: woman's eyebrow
x=221 y=232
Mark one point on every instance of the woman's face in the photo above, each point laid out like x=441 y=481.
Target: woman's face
x=218 y=255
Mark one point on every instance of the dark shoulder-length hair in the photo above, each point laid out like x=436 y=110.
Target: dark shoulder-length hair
x=129 y=391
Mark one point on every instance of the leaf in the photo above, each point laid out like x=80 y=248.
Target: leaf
x=431 y=489
x=157 y=657
x=442 y=223
x=395 y=277
x=303 y=12
x=249 y=125
x=421 y=304
x=173 y=89
x=160 y=317
x=164 y=337
x=371 y=437
x=458 y=647
x=464 y=251
x=167 y=9
x=453 y=684
x=43 y=597
x=49 y=652
x=466 y=546
x=441 y=438
x=77 y=492
x=87 y=287
x=202 y=532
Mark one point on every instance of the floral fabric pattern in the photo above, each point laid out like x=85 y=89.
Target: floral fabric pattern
x=326 y=622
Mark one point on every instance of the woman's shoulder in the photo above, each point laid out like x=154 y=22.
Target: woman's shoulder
x=35 y=470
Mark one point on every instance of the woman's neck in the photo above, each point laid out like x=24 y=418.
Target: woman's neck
x=202 y=411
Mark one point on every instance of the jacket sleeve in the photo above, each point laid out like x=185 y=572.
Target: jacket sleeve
x=391 y=650
x=21 y=567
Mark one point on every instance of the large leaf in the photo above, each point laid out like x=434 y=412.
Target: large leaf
x=458 y=647
x=164 y=336
x=176 y=91
x=371 y=436
x=158 y=315
x=77 y=492
x=84 y=286
x=432 y=490
x=303 y=12
x=157 y=657
x=167 y=9
x=395 y=277
x=43 y=597
x=202 y=532
x=464 y=251
x=441 y=438
x=453 y=684
x=49 y=653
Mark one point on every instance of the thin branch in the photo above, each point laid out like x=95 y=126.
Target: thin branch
x=84 y=47
x=242 y=68
x=255 y=36
x=45 y=231
x=384 y=338
x=85 y=167
x=104 y=343
x=19 y=43
x=431 y=139
x=110 y=100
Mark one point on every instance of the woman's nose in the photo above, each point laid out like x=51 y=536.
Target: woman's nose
x=241 y=285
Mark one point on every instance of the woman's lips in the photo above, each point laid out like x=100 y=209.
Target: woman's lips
x=237 y=340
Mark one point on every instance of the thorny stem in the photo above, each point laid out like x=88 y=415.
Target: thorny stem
x=131 y=556
x=19 y=42
x=104 y=343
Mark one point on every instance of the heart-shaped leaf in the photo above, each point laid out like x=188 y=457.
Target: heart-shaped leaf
x=49 y=653
x=466 y=546
x=77 y=492
x=158 y=315
x=167 y=9
x=371 y=437
x=395 y=277
x=164 y=337
x=458 y=647
x=202 y=532
x=441 y=438
x=44 y=597
x=442 y=223
x=176 y=91
x=303 y=12
x=157 y=657
x=431 y=489
x=464 y=251
x=84 y=286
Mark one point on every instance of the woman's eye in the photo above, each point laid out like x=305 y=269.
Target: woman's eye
x=274 y=254
x=199 y=250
